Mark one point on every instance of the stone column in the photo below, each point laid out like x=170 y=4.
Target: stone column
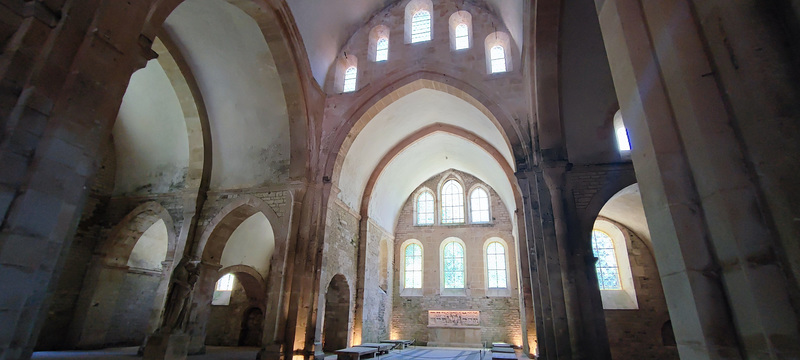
x=677 y=74
x=62 y=86
x=200 y=310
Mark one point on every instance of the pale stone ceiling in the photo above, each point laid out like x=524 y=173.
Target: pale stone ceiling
x=242 y=90
x=325 y=25
x=401 y=119
x=252 y=243
x=626 y=208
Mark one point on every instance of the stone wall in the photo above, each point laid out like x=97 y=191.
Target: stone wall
x=225 y=323
x=136 y=298
x=500 y=315
x=339 y=252
x=377 y=293
x=637 y=334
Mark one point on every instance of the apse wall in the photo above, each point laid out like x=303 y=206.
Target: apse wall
x=500 y=314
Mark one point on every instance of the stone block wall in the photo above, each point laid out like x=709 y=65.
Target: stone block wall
x=637 y=334
x=225 y=323
x=500 y=315
x=377 y=294
x=130 y=320
x=340 y=251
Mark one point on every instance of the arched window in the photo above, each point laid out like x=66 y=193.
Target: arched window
x=223 y=289
x=379 y=43
x=606 y=266
x=460 y=30
x=496 y=265
x=498 y=57
x=412 y=267
x=623 y=140
x=452 y=203
x=498 y=52
x=462 y=36
x=453 y=266
x=350 y=79
x=382 y=50
x=479 y=206
x=421 y=26
x=425 y=208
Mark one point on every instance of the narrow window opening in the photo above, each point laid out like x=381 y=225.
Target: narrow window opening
x=350 y=79
x=462 y=37
x=452 y=203
x=606 y=266
x=413 y=267
x=425 y=209
x=421 y=26
x=479 y=206
x=498 y=59
x=223 y=290
x=453 y=266
x=382 y=50
x=496 y=265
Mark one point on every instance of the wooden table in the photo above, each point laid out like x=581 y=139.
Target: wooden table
x=382 y=348
x=402 y=344
x=355 y=353
x=501 y=344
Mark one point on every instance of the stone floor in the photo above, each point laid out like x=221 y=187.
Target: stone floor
x=249 y=353
x=212 y=353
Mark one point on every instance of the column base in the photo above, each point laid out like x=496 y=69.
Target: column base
x=167 y=347
x=318 y=353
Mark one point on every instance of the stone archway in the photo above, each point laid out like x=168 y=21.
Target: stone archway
x=337 y=314
x=252 y=327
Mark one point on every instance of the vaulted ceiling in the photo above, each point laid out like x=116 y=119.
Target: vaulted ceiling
x=325 y=25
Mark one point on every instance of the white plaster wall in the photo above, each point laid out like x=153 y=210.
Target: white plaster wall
x=429 y=156
x=252 y=243
x=151 y=248
x=150 y=137
x=401 y=119
x=242 y=90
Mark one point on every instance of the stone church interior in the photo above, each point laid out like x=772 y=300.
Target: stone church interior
x=582 y=179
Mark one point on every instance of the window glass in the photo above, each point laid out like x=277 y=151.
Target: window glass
x=350 y=79
x=421 y=26
x=498 y=58
x=496 y=265
x=462 y=36
x=222 y=291
x=413 y=267
x=382 y=50
x=453 y=266
x=606 y=266
x=425 y=209
x=452 y=203
x=623 y=141
x=479 y=206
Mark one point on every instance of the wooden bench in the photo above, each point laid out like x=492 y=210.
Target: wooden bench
x=501 y=345
x=355 y=353
x=501 y=356
x=382 y=348
x=399 y=344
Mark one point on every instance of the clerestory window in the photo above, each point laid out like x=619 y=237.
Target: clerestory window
x=421 y=26
x=479 y=206
x=498 y=58
x=382 y=50
x=350 y=79
x=425 y=208
x=452 y=203
x=462 y=36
